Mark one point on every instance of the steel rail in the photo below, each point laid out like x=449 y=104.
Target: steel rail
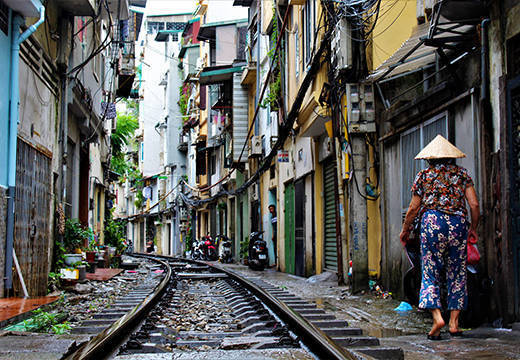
x=103 y=344
x=313 y=337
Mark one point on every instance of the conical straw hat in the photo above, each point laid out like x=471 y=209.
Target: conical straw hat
x=440 y=148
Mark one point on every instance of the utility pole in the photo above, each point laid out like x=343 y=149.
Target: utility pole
x=358 y=214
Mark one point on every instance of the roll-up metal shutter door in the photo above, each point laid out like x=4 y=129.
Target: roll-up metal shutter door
x=330 y=253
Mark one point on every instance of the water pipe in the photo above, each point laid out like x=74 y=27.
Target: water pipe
x=14 y=91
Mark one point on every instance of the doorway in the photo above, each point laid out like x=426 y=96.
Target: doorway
x=299 y=227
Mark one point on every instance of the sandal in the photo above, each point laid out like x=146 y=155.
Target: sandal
x=456 y=333
x=434 y=337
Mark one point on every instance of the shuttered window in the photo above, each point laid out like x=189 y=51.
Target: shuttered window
x=240 y=104
x=412 y=141
x=330 y=251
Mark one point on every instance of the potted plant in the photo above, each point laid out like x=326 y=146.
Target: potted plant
x=91 y=250
x=73 y=240
x=114 y=238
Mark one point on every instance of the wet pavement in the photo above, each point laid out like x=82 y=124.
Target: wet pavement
x=407 y=330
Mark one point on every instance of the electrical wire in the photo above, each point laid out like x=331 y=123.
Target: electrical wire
x=285 y=131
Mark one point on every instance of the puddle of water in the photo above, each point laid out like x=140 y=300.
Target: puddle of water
x=383 y=332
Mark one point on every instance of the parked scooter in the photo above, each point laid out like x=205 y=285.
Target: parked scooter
x=197 y=252
x=209 y=249
x=224 y=245
x=257 y=256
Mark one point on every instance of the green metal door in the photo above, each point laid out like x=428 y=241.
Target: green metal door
x=331 y=251
x=289 y=228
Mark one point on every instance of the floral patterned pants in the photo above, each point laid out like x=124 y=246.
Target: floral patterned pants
x=443 y=251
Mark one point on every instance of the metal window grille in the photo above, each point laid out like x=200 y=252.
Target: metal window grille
x=412 y=141
x=4 y=18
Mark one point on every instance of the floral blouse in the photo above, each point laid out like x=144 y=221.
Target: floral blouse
x=442 y=187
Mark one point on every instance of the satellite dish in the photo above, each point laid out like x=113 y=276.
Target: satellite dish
x=458 y=10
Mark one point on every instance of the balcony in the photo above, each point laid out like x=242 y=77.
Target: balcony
x=78 y=7
x=183 y=142
x=28 y=8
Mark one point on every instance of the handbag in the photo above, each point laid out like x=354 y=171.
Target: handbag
x=415 y=232
x=473 y=253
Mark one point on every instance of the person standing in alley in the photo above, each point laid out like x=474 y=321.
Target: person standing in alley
x=439 y=195
x=274 y=223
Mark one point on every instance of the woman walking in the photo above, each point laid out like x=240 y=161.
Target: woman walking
x=439 y=195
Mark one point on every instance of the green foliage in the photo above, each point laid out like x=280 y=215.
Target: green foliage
x=60 y=329
x=127 y=124
x=53 y=283
x=115 y=235
x=59 y=254
x=244 y=247
x=43 y=321
x=272 y=99
x=75 y=235
x=183 y=100
x=139 y=199
x=188 y=240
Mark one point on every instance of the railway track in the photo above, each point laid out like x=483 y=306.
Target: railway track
x=192 y=306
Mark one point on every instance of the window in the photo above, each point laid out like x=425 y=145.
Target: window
x=296 y=53
x=175 y=36
x=412 y=141
x=154 y=26
x=213 y=163
x=98 y=206
x=175 y=26
x=308 y=29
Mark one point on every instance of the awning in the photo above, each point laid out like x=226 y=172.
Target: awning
x=164 y=35
x=207 y=31
x=189 y=24
x=185 y=48
x=218 y=74
x=418 y=57
x=246 y=3
x=419 y=51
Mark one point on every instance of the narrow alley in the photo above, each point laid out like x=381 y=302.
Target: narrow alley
x=279 y=179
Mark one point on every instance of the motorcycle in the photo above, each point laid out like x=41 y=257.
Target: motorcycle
x=209 y=249
x=225 y=252
x=197 y=253
x=257 y=254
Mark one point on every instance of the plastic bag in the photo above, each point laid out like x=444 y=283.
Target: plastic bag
x=473 y=253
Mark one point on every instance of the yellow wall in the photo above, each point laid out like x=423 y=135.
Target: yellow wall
x=388 y=36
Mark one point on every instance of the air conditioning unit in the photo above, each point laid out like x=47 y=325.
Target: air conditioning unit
x=341 y=45
x=256 y=146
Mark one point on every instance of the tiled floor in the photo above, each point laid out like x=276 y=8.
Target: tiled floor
x=103 y=274
x=12 y=307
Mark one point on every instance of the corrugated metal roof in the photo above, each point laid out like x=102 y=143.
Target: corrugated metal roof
x=422 y=56
x=414 y=54
x=218 y=74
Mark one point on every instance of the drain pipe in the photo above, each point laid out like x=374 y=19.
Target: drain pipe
x=483 y=60
x=13 y=135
